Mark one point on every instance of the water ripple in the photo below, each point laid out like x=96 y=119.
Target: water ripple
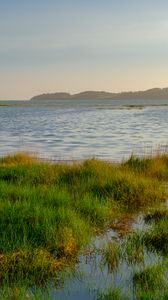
x=82 y=132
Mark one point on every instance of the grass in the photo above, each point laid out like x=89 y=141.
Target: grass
x=151 y=282
x=157 y=238
x=154 y=166
x=149 y=277
x=111 y=256
x=49 y=211
x=111 y=294
x=133 y=248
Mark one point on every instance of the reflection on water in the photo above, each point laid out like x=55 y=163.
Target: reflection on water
x=73 y=130
x=92 y=274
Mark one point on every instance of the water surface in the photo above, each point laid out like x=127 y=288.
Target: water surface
x=79 y=129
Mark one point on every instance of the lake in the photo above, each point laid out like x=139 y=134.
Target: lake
x=80 y=129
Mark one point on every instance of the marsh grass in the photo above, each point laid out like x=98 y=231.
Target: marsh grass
x=157 y=238
x=133 y=248
x=153 y=166
x=151 y=279
x=111 y=294
x=49 y=211
x=21 y=293
x=111 y=256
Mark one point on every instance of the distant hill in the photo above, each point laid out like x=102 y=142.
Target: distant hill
x=155 y=93
x=51 y=96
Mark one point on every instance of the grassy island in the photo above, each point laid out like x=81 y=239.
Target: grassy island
x=49 y=212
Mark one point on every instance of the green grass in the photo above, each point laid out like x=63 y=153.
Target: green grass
x=49 y=211
x=151 y=282
x=154 y=166
x=111 y=256
x=150 y=278
x=157 y=238
x=111 y=294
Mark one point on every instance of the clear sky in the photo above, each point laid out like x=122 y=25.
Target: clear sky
x=76 y=45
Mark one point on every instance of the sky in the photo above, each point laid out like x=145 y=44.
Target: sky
x=77 y=45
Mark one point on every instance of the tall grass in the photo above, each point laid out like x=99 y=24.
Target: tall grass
x=49 y=211
x=153 y=167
